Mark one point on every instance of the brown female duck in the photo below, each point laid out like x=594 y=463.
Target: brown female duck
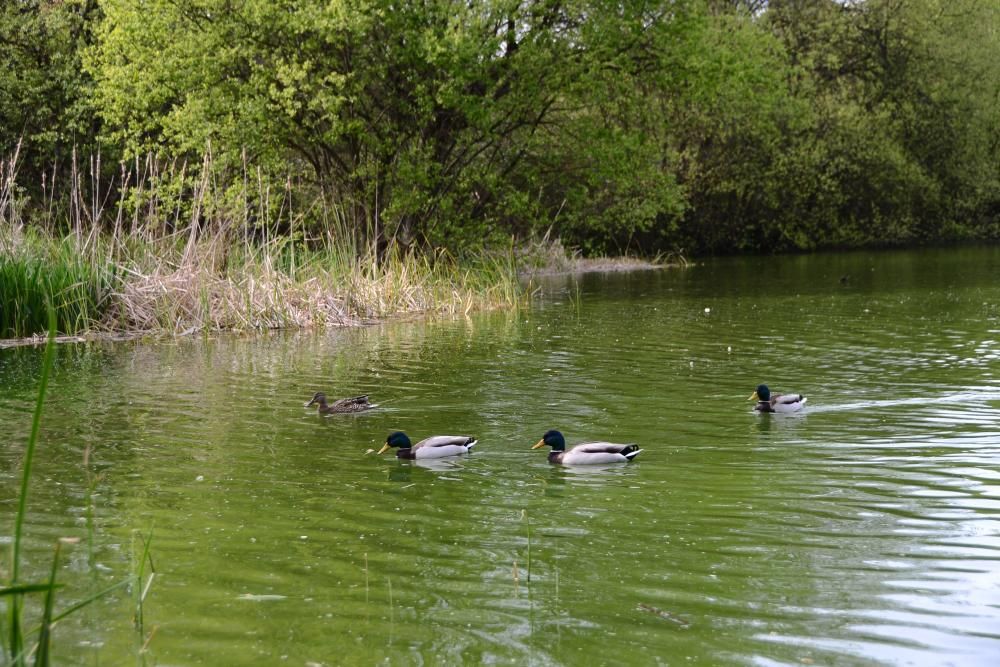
x=342 y=405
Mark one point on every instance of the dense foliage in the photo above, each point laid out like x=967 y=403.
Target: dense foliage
x=702 y=125
x=45 y=96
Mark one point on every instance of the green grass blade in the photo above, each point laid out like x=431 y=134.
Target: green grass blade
x=16 y=639
x=86 y=601
x=29 y=452
x=23 y=589
x=141 y=589
x=45 y=634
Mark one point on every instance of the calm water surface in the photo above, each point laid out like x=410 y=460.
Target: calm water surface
x=864 y=530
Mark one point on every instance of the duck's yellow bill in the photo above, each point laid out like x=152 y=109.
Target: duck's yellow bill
x=754 y=397
x=540 y=443
x=384 y=447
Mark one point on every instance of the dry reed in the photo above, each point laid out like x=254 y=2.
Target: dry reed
x=175 y=252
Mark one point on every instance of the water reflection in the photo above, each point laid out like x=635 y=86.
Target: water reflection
x=594 y=473
x=438 y=465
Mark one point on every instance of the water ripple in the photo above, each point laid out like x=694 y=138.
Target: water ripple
x=865 y=528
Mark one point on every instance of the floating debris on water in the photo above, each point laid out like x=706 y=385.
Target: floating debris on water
x=260 y=598
x=665 y=615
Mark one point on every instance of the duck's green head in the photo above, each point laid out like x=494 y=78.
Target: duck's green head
x=395 y=439
x=762 y=394
x=318 y=397
x=553 y=439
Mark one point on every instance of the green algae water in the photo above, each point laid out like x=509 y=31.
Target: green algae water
x=863 y=530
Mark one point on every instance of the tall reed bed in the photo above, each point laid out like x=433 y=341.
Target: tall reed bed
x=51 y=272
x=160 y=250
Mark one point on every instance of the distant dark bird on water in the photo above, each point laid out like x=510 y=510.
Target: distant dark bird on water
x=342 y=405
x=768 y=402
x=844 y=279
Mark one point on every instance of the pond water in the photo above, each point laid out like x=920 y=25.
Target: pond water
x=863 y=530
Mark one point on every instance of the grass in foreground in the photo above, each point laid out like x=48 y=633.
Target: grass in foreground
x=20 y=643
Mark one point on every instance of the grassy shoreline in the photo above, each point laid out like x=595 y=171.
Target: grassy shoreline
x=102 y=286
x=154 y=289
x=161 y=251
x=168 y=250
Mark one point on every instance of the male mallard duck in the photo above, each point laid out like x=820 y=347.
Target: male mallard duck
x=354 y=404
x=768 y=402
x=433 y=447
x=586 y=453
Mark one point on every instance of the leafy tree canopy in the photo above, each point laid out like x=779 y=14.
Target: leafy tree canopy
x=704 y=125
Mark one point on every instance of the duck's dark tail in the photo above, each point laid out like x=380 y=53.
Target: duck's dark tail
x=631 y=452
